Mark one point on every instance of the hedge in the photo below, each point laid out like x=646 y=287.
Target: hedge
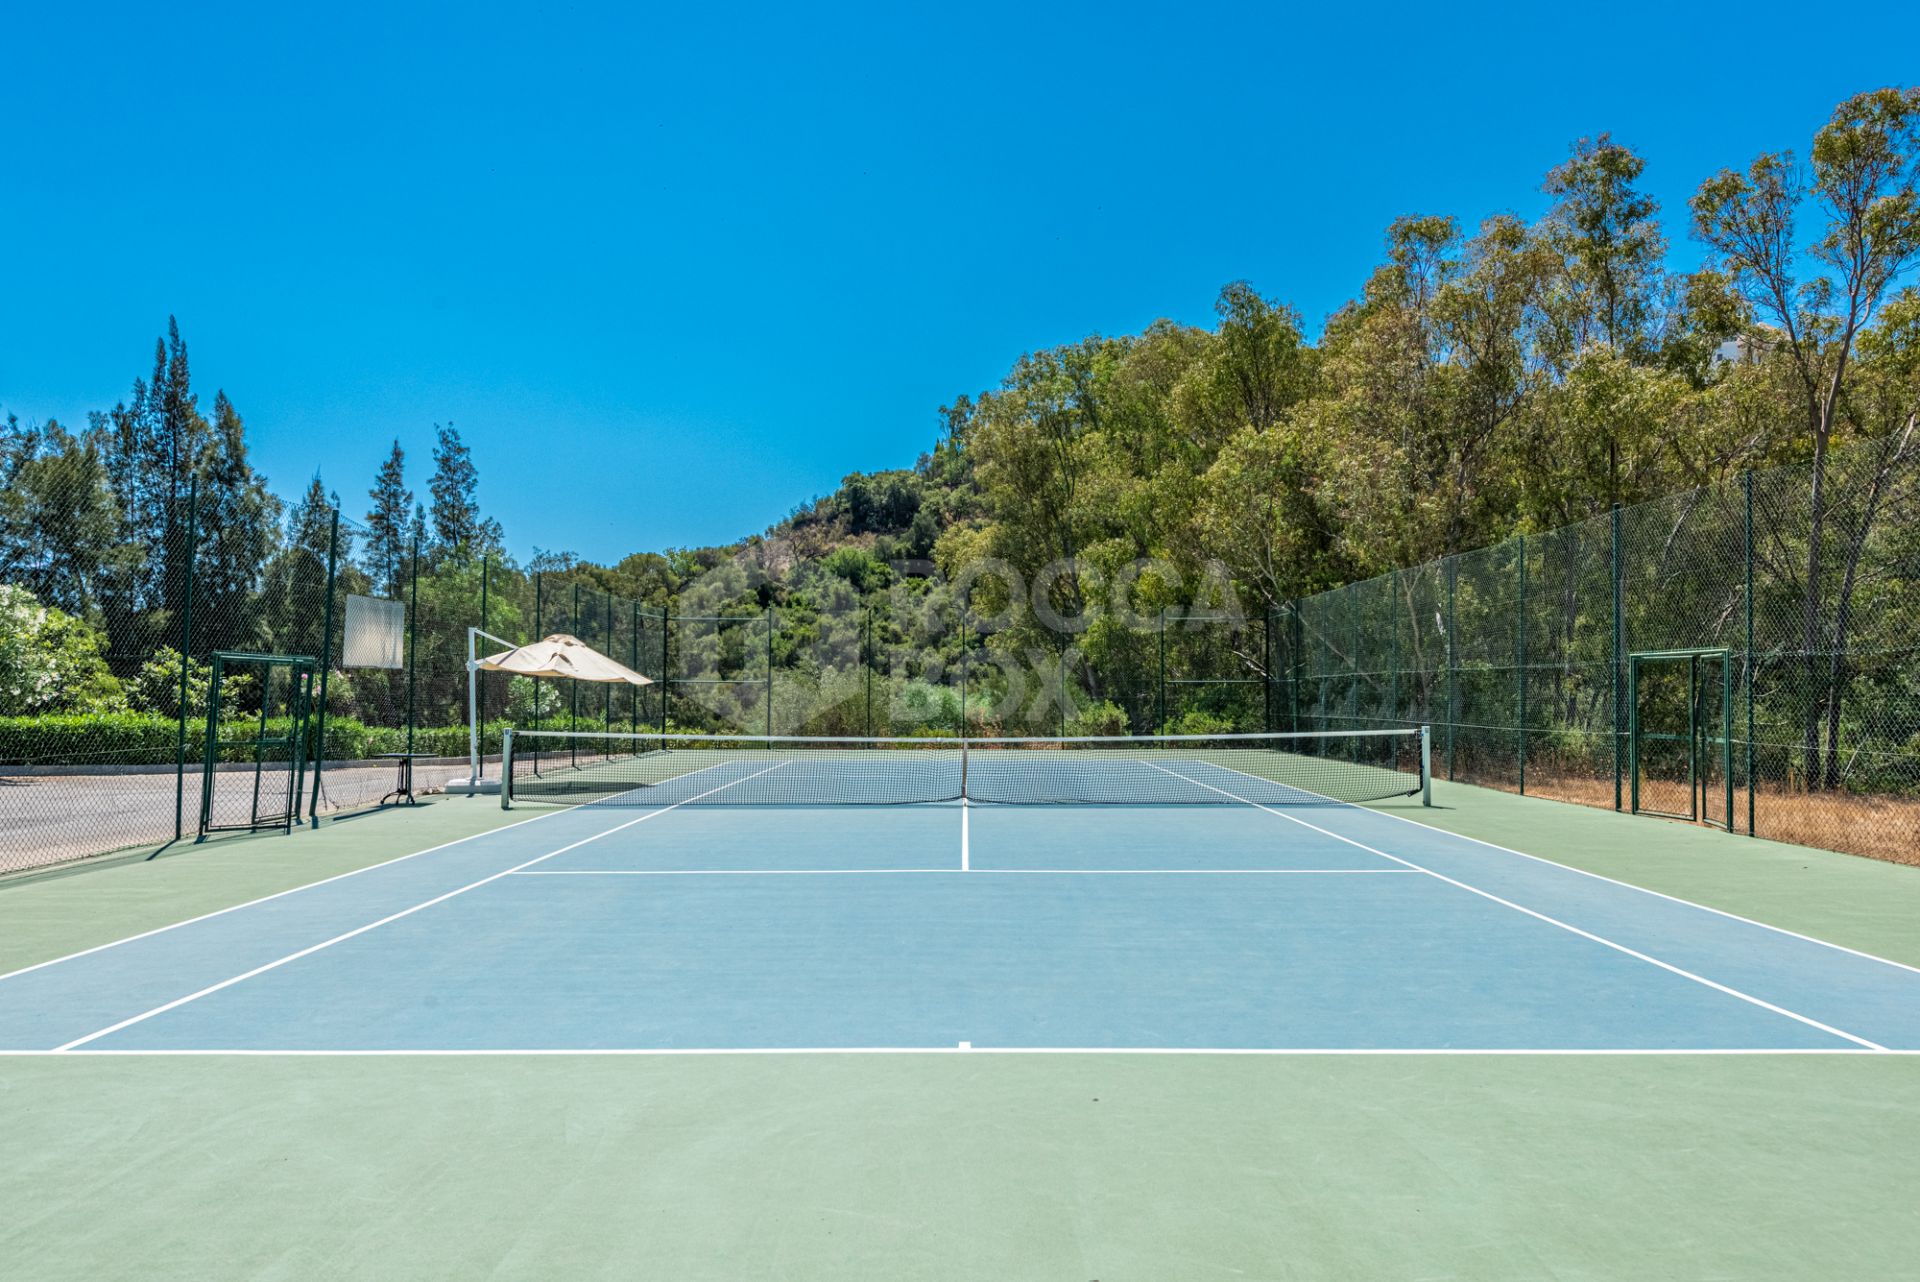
x=135 y=738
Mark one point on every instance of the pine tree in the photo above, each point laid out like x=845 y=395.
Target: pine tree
x=153 y=445
x=458 y=527
x=388 y=523
x=238 y=522
x=150 y=446
x=310 y=524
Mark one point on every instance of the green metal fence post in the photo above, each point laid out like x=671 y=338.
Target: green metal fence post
x=210 y=755
x=1616 y=643
x=1453 y=659
x=666 y=656
x=1160 y=699
x=1726 y=732
x=1520 y=665
x=869 y=659
x=1746 y=485
x=607 y=618
x=1633 y=734
x=539 y=633
x=1296 y=665
x=1353 y=664
x=186 y=651
x=1393 y=651
x=326 y=669
x=1266 y=660
x=633 y=661
x=486 y=565
x=769 y=693
x=966 y=659
x=573 y=692
x=1696 y=780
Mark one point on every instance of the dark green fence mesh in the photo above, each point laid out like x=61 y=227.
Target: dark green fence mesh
x=1517 y=655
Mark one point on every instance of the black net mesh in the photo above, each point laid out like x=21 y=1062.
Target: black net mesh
x=680 y=770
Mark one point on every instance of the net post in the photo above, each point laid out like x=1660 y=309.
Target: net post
x=1426 y=765
x=506 y=769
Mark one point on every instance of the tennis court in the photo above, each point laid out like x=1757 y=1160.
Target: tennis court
x=752 y=897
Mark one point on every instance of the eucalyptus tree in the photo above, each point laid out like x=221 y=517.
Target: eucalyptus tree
x=1810 y=309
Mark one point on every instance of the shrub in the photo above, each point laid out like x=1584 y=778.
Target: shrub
x=51 y=661
x=1195 y=721
x=156 y=687
x=1103 y=718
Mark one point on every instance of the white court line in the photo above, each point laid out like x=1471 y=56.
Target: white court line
x=966 y=854
x=278 y=894
x=1270 y=1052
x=617 y=799
x=1551 y=921
x=1584 y=872
x=1657 y=894
x=954 y=872
x=391 y=917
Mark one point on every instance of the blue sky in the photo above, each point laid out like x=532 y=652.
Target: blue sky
x=673 y=271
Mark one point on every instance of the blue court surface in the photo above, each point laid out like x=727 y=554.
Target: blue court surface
x=950 y=927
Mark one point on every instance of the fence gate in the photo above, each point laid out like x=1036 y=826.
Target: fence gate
x=271 y=736
x=1680 y=735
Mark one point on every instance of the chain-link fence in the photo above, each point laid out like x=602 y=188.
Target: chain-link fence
x=1743 y=654
x=1747 y=647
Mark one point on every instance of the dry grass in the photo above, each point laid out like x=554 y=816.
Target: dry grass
x=1876 y=827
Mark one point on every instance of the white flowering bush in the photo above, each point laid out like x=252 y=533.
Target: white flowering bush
x=50 y=661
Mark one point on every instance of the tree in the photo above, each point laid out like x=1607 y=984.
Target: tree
x=458 y=526
x=294 y=596
x=389 y=523
x=152 y=446
x=1607 y=233
x=237 y=521
x=59 y=521
x=1864 y=175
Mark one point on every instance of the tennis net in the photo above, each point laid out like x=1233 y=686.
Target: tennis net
x=1335 y=767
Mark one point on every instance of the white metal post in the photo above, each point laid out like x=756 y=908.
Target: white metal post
x=473 y=702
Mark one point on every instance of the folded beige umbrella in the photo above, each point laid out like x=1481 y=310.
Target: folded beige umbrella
x=561 y=655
